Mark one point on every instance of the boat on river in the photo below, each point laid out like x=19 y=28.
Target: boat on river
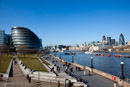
x=69 y=53
x=89 y=52
x=117 y=56
x=125 y=56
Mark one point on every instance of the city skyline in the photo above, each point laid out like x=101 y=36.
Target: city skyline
x=68 y=22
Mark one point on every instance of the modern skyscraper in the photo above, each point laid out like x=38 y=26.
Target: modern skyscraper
x=103 y=38
x=109 y=40
x=25 y=39
x=112 y=41
x=121 y=39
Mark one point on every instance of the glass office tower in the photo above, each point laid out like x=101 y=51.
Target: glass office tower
x=2 y=37
x=25 y=39
x=121 y=39
x=109 y=40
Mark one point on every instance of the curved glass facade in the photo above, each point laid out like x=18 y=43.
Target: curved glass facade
x=24 y=38
x=121 y=40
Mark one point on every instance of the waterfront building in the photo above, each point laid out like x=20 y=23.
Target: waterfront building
x=5 y=39
x=25 y=39
x=84 y=45
x=94 y=48
x=104 y=42
x=94 y=42
x=40 y=40
x=121 y=40
x=109 y=40
x=8 y=40
x=2 y=37
x=128 y=43
x=116 y=43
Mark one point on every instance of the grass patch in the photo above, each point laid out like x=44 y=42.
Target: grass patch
x=32 y=62
x=45 y=61
x=5 y=61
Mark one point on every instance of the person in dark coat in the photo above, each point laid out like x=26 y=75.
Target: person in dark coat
x=29 y=80
x=76 y=68
x=15 y=62
x=27 y=76
x=58 y=84
x=71 y=69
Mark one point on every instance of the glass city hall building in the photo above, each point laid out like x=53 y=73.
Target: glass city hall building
x=25 y=39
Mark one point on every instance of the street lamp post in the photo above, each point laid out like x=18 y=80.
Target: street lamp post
x=55 y=53
x=92 y=63
x=60 y=54
x=122 y=70
x=72 y=58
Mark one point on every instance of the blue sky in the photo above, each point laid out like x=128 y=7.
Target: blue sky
x=68 y=21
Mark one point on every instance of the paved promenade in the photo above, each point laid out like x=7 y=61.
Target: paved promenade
x=19 y=80
x=93 y=80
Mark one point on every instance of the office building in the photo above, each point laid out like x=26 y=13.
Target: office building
x=2 y=37
x=25 y=39
x=109 y=40
x=121 y=40
x=104 y=38
x=112 y=41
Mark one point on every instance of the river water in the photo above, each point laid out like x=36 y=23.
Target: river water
x=104 y=63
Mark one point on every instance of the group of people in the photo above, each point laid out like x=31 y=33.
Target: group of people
x=68 y=68
x=15 y=61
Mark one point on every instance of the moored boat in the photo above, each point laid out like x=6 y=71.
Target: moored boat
x=117 y=56
x=88 y=52
x=95 y=54
x=101 y=54
x=109 y=55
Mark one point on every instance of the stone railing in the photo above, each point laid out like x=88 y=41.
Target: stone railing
x=106 y=75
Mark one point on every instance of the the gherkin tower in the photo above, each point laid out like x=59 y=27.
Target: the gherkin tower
x=121 y=39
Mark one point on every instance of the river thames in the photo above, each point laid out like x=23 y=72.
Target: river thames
x=104 y=63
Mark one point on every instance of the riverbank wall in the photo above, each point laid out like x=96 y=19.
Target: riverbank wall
x=106 y=75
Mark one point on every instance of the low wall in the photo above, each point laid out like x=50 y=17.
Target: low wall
x=9 y=70
x=6 y=75
x=106 y=75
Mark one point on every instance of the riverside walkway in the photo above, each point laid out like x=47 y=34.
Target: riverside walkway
x=19 y=80
x=94 y=80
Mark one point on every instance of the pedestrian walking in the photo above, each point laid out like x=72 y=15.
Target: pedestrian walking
x=15 y=62
x=29 y=80
x=59 y=70
x=89 y=73
x=58 y=84
x=79 y=69
x=78 y=79
x=76 y=68
x=27 y=76
x=84 y=73
x=66 y=69
x=56 y=61
x=14 y=58
x=114 y=85
x=71 y=69
x=70 y=84
x=69 y=73
x=25 y=67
